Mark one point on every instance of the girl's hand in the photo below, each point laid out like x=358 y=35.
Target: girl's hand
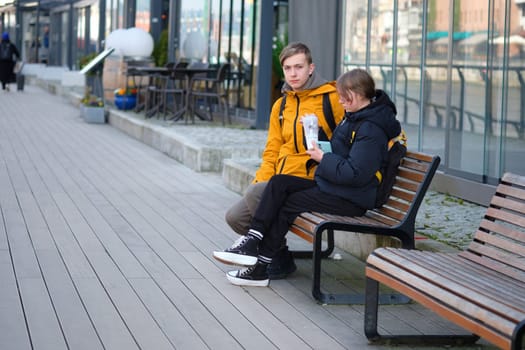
x=315 y=152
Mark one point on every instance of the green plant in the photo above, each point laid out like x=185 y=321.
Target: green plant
x=84 y=60
x=91 y=100
x=160 y=50
x=277 y=47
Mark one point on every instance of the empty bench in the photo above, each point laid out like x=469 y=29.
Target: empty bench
x=481 y=289
x=396 y=219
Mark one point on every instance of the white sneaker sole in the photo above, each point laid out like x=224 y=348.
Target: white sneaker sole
x=235 y=259
x=232 y=277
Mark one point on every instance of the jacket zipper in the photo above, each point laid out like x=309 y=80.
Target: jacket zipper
x=295 y=125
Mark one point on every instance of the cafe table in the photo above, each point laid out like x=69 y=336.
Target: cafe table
x=189 y=73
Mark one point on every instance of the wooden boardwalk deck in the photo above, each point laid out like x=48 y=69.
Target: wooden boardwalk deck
x=105 y=244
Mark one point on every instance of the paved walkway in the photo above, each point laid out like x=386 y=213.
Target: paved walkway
x=105 y=244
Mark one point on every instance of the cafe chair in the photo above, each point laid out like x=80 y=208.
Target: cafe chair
x=139 y=80
x=174 y=91
x=158 y=84
x=210 y=87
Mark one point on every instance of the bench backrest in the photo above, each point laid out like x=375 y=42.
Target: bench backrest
x=415 y=175
x=397 y=216
x=499 y=242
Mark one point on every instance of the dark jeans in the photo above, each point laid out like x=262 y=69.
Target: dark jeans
x=284 y=198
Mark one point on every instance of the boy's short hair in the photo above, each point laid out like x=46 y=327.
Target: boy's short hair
x=294 y=49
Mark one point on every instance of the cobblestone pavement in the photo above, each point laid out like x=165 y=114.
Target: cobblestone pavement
x=448 y=219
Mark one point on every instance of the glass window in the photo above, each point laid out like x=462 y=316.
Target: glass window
x=507 y=131
x=143 y=15
x=463 y=98
x=354 y=34
x=194 y=26
x=213 y=32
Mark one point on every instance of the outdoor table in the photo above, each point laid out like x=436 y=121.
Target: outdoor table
x=190 y=73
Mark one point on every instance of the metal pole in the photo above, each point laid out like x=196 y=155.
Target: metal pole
x=264 y=73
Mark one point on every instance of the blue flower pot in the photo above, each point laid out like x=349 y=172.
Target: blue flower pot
x=125 y=101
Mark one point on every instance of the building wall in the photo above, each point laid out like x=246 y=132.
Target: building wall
x=316 y=23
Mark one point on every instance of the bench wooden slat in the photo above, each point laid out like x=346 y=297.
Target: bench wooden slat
x=390 y=212
x=494 y=265
x=423 y=157
x=506 y=231
x=406 y=173
x=497 y=255
x=400 y=263
x=406 y=185
x=509 y=204
x=513 y=179
x=480 y=289
x=507 y=217
x=487 y=281
x=397 y=192
x=441 y=309
x=414 y=165
x=512 y=192
x=505 y=244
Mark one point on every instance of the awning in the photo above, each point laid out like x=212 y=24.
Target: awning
x=436 y=35
x=443 y=34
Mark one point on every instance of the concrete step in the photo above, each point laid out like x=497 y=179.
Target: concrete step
x=237 y=174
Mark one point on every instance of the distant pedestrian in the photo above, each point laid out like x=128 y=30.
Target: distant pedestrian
x=8 y=55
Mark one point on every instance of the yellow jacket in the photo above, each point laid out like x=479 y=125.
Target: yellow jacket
x=285 y=151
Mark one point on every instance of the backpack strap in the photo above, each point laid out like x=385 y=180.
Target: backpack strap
x=328 y=112
x=281 y=109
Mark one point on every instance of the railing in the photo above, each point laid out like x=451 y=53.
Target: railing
x=457 y=112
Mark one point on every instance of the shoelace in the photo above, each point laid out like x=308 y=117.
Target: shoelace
x=239 y=241
x=245 y=272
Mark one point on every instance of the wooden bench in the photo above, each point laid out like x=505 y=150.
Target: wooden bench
x=396 y=219
x=481 y=289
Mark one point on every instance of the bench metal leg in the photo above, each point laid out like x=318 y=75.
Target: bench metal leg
x=317 y=254
x=372 y=302
x=308 y=254
x=518 y=337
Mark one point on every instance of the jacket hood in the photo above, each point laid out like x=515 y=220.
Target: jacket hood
x=381 y=112
x=313 y=82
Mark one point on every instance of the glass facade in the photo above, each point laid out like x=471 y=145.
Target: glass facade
x=455 y=70
x=216 y=31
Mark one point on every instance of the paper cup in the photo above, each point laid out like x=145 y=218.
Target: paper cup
x=311 y=129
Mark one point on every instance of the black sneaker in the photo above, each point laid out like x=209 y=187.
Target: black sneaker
x=243 y=252
x=254 y=276
x=282 y=265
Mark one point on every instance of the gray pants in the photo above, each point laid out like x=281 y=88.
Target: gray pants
x=240 y=215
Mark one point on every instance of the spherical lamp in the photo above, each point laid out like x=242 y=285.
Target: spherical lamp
x=116 y=40
x=138 y=43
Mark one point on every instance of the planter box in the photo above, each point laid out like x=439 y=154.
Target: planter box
x=94 y=114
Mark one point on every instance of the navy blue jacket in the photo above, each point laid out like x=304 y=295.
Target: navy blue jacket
x=349 y=170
